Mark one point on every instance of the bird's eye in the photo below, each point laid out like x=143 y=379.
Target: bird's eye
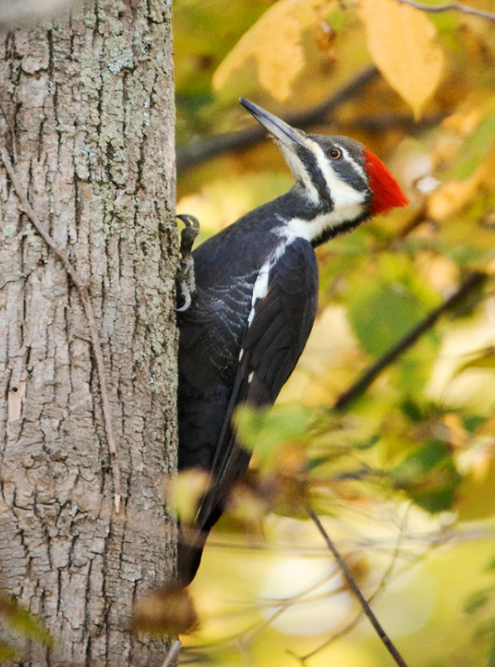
x=334 y=153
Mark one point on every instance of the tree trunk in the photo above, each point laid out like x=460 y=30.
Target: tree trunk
x=89 y=100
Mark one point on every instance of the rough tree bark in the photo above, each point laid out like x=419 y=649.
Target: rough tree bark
x=89 y=98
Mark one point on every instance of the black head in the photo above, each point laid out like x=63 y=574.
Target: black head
x=343 y=181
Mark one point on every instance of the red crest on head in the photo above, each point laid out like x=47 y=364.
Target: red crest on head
x=386 y=191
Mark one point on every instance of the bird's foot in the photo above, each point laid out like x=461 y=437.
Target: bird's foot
x=186 y=284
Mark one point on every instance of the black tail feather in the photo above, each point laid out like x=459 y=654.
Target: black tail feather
x=191 y=542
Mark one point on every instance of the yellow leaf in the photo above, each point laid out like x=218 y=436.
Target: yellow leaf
x=275 y=43
x=477 y=492
x=455 y=195
x=402 y=43
x=184 y=492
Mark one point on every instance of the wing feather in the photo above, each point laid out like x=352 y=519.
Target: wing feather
x=272 y=345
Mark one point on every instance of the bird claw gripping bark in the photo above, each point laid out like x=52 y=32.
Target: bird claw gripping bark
x=186 y=284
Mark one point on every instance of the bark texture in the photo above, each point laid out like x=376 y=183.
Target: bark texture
x=91 y=98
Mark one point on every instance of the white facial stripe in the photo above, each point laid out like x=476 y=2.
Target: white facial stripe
x=348 y=203
x=344 y=196
x=299 y=172
x=357 y=167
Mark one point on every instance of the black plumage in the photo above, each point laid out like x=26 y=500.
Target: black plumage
x=218 y=330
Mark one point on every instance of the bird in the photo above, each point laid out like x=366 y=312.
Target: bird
x=254 y=304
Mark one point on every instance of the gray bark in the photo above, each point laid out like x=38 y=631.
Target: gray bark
x=92 y=144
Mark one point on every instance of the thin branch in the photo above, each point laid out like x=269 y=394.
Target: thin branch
x=448 y=7
x=418 y=219
x=424 y=540
x=472 y=282
x=390 y=646
x=173 y=652
x=376 y=125
x=88 y=308
x=381 y=585
x=247 y=636
x=204 y=149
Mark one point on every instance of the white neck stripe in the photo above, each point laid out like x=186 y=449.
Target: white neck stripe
x=297 y=228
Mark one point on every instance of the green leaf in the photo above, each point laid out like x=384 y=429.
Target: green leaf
x=418 y=412
x=422 y=460
x=368 y=443
x=429 y=476
x=474 y=150
x=415 y=367
x=478 y=600
x=316 y=462
x=472 y=422
x=466 y=255
x=380 y=315
x=267 y=431
x=484 y=358
x=491 y=655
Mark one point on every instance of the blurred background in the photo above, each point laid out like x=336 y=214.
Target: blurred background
x=388 y=424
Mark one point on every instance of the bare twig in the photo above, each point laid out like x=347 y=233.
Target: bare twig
x=448 y=7
x=209 y=147
x=350 y=626
x=88 y=309
x=390 y=646
x=376 y=125
x=472 y=282
x=422 y=540
x=419 y=217
x=173 y=652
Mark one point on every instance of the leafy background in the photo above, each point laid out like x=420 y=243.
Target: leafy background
x=403 y=475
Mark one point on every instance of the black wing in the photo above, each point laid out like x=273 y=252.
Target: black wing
x=211 y=333
x=272 y=345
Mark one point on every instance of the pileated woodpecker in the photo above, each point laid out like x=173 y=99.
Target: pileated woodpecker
x=255 y=302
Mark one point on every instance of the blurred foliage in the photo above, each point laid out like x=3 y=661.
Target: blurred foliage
x=404 y=476
x=165 y=611
x=21 y=622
